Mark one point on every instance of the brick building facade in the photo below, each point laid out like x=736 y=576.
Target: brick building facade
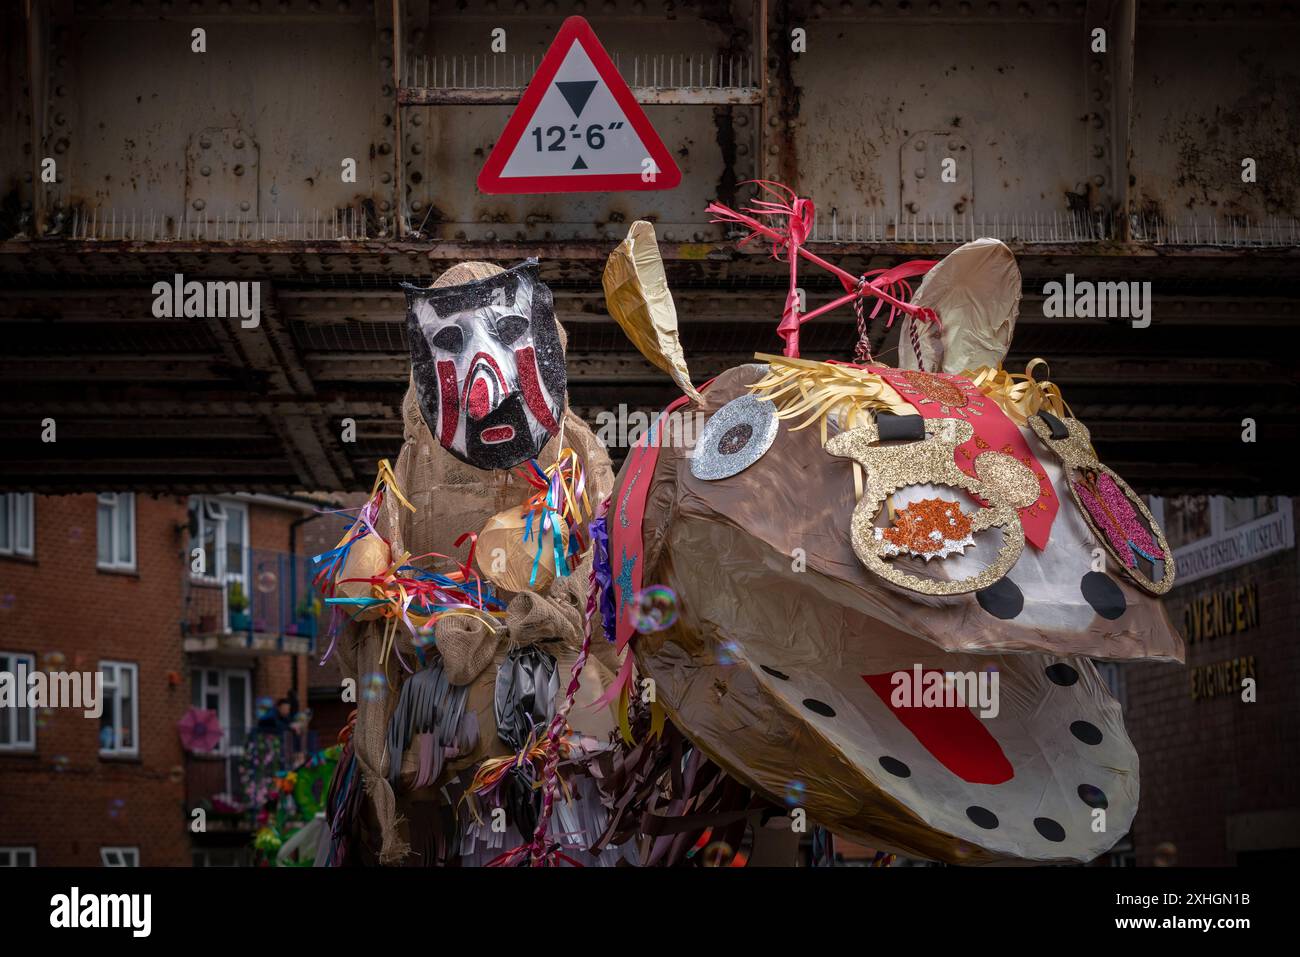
x=1220 y=781
x=71 y=791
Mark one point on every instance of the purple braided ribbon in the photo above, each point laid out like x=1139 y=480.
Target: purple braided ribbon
x=604 y=572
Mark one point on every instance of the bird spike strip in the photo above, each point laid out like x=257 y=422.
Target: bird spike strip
x=788 y=228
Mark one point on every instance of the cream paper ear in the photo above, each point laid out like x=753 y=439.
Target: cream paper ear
x=637 y=296
x=976 y=291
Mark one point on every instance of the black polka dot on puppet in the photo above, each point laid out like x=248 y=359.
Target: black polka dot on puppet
x=1049 y=829
x=982 y=817
x=896 y=767
x=819 y=707
x=775 y=674
x=1003 y=599
x=1086 y=732
x=1062 y=674
x=1105 y=597
x=1093 y=796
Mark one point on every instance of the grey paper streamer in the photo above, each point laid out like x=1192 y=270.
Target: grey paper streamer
x=527 y=684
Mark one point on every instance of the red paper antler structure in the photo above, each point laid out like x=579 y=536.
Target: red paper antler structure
x=790 y=223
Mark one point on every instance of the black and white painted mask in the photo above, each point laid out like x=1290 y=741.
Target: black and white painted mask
x=488 y=366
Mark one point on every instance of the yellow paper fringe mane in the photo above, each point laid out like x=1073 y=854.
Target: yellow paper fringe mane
x=812 y=391
x=1020 y=396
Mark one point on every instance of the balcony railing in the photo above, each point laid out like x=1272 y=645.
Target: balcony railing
x=267 y=606
x=234 y=780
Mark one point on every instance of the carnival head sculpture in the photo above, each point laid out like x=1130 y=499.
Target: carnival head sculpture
x=891 y=581
x=488 y=365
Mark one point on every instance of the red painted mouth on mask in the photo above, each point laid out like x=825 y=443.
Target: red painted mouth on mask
x=497 y=434
x=485 y=386
x=955 y=737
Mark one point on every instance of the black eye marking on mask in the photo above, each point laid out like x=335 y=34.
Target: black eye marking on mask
x=510 y=328
x=449 y=339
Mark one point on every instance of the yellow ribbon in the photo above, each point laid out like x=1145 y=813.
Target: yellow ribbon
x=385 y=476
x=1020 y=396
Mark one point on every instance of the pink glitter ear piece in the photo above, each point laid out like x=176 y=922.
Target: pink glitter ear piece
x=1119 y=519
x=1115 y=515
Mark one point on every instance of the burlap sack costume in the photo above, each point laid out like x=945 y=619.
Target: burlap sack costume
x=452 y=498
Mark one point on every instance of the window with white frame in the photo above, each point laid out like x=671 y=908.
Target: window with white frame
x=116 y=524
x=120 y=856
x=121 y=717
x=17 y=857
x=228 y=692
x=17 y=535
x=219 y=530
x=18 y=723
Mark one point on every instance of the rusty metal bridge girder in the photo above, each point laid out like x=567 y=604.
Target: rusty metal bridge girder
x=1114 y=165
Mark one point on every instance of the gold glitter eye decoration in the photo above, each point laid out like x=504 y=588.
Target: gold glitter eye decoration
x=735 y=438
x=933 y=527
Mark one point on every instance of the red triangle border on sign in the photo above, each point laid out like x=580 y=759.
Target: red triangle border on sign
x=576 y=30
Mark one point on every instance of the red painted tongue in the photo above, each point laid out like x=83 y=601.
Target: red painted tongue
x=478 y=399
x=955 y=737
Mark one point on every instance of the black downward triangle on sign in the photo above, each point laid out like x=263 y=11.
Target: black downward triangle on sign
x=576 y=93
x=578 y=164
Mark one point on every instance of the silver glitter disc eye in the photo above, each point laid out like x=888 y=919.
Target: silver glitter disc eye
x=735 y=438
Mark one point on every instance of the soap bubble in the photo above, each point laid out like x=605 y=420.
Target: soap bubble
x=115 y=807
x=656 y=609
x=729 y=653
x=7 y=602
x=55 y=660
x=372 y=686
x=795 y=792
x=717 y=854
x=266 y=581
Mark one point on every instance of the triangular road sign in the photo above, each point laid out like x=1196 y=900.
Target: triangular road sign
x=578 y=128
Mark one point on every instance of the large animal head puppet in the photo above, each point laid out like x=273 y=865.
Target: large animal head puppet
x=890 y=583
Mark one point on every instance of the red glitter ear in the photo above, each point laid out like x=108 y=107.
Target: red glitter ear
x=526 y=363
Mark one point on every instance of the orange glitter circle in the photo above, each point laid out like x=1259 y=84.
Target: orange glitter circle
x=928 y=526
